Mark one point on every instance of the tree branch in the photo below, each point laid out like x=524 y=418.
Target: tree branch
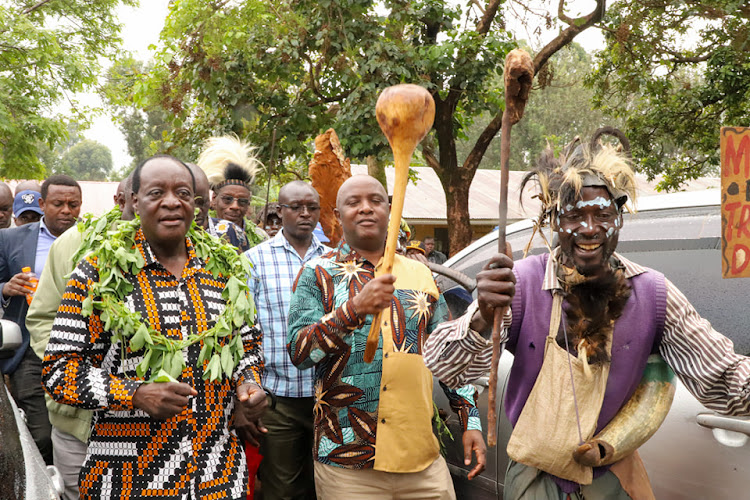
x=428 y=152
x=483 y=142
x=316 y=90
x=488 y=15
x=575 y=27
x=679 y=59
x=37 y=6
x=483 y=27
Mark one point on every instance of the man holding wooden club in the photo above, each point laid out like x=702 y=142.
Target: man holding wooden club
x=588 y=329
x=373 y=431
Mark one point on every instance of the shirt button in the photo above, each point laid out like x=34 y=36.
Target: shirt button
x=386 y=355
x=382 y=421
x=385 y=323
x=385 y=388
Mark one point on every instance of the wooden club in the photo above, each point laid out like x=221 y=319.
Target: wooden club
x=519 y=74
x=405 y=114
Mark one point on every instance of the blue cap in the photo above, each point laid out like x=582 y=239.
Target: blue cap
x=25 y=201
x=318 y=231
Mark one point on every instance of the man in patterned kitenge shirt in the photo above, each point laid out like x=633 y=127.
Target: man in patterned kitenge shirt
x=171 y=440
x=373 y=432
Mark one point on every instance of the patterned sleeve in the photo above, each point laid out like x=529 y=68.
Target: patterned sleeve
x=250 y=367
x=71 y=371
x=236 y=237
x=456 y=354
x=316 y=329
x=703 y=358
x=463 y=400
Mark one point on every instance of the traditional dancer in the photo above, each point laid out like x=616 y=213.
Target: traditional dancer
x=582 y=323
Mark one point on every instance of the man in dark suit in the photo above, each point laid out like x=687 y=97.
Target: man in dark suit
x=27 y=246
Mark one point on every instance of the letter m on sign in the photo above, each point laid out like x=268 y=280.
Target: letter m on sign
x=735 y=202
x=735 y=151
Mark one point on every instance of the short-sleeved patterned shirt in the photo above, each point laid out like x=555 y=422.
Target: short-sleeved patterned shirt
x=193 y=455
x=326 y=332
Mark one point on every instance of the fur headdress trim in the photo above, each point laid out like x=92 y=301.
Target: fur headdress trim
x=560 y=179
x=228 y=160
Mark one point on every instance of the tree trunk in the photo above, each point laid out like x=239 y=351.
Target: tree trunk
x=456 y=180
x=377 y=170
x=459 y=221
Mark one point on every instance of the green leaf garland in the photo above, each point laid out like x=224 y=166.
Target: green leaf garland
x=113 y=247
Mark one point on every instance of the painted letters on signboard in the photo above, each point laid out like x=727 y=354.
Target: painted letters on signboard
x=735 y=202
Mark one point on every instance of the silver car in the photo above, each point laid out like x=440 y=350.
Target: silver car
x=696 y=453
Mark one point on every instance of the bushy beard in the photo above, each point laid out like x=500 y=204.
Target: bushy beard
x=592 y=307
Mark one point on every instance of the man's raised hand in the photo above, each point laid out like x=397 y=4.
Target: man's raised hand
x=496 y=285
x=375 y=296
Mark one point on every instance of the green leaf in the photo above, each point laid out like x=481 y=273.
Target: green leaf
x=167 y=363
x=101 y=225
x=144 y=365
x=87 y=306
x=178 y=364
x=227 y=363
x=137 y=341
x=164 y=376
x=215 y=367
x=205 y=350
x=233 y=287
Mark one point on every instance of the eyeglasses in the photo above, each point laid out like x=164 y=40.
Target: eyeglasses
x=228 y=200
x=297 y=209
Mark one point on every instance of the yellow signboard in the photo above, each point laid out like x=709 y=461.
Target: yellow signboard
x=735 y=202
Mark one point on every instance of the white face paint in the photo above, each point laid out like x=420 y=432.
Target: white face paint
x=599 y=201
x=610 y=232
x=568 y=231
x=617 y=222
x=569 y=207
x=583 y=223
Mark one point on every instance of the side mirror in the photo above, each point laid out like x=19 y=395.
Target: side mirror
x=10 y=337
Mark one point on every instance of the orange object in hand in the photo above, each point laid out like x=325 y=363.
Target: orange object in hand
x=34 y=281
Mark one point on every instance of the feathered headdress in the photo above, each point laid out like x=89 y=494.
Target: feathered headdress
x=228 y=160
x=560 y=179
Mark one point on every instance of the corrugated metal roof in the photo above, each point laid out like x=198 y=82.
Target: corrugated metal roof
x=425 y=201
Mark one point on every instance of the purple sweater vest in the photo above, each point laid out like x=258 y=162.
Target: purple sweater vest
x=637 y=334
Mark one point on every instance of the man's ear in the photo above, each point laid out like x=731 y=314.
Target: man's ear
x=41 y=204
x=135 y=203
x=338 y=215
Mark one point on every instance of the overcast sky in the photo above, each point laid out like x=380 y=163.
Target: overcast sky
x=142 y=25
x=141 y=28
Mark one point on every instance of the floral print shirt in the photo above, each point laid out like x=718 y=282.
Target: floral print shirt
x=326 y=332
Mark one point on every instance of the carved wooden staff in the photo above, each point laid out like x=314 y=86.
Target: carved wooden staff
x=519 y=74
x=405 y=114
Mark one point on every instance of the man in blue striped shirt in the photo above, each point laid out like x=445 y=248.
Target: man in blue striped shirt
x=287 y=468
